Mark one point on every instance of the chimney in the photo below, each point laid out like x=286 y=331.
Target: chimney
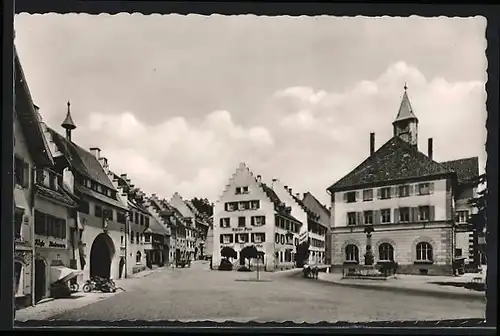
x=96 y=151
x=297 y=195
x=286 y=188
x=372 y=143
x=290 y=191
x=103 y=161
x=429 y=148
x=273 y=182
x=259 y=178
x=304 y=195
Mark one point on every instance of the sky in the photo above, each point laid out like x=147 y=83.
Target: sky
x=177 y=102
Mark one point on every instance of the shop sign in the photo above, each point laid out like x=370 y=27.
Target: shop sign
x=49 y=243
x=242 y=229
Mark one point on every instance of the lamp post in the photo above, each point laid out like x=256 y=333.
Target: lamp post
x=369 y=254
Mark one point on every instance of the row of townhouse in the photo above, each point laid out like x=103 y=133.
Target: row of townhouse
x=417 y=207
x=71 y=210
x=270 y=218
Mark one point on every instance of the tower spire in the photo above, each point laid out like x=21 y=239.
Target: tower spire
x=68 y=123
x=406 y=123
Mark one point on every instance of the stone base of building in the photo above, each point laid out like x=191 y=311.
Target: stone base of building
x=411 y=269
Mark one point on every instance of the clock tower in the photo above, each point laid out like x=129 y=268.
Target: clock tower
x=406 y=123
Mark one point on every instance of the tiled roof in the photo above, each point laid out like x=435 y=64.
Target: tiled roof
x=58 y=196
x=277 y=202
x=467 y=169
x=157 y=227
x=100 y=197
x=320 y=204
x=395 y=160
x=82 y=160
x=28 y=118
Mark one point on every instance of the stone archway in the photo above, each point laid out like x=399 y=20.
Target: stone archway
x=101 y=254
x=40 y=279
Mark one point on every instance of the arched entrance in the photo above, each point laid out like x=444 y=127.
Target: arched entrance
x=101 y=254
x=121 y=267
x=40 y=279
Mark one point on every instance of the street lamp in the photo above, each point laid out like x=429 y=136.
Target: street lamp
x=369 y=254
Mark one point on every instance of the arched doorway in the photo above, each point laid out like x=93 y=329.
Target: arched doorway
x=40 y=279
x=121 y=266
x=101 y=254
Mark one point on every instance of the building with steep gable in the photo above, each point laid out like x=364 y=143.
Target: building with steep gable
x=197 y=231
x=408 y=198
x=321 y=231
x=250 y=213
x=313 y=229
x=31 y=153
x=101 y=213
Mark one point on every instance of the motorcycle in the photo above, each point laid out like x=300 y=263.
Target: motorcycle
x=100 y=284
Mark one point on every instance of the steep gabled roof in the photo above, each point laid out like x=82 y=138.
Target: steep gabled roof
x=277 y=202
x=81 y=160
x=156 y=227
x=28 y=118
x=395 y=160
x=319 y=203
x=467 y=169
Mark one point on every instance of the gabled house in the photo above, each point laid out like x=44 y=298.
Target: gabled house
x=30 y=153
x=172 y=219
x=101 y=213
x=321 y=231
x=198 y=228
x=312 y=231
x=156 y=241
x=406 y=197
x=250 y=213
x=133 y=258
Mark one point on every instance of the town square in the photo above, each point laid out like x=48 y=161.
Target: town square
x=232 y=177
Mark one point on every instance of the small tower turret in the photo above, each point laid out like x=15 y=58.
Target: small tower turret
x=406 y=123
x=68 y=123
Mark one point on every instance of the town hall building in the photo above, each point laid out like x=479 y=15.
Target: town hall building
x=409 y=200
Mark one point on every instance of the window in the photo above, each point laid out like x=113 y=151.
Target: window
x=277 y=238
x=83 y=206
x=52 y=180
x=121 y=217
x=98 y=211
x=21 y=172
x=368 y=216
x=385 y=193
x=404 y=191
x=241 y=221
x=404 y=215
x=462 y=216
x=231 y=206
x=458 y=252
x=132 y=237
x=296 y=241
x=138 y=257
x=137 y=237
x=224 y=222
x=423 y=189
x=136 y=218
x=351 y=253
x=282 y=239
x=18 y=286
x=238 y=191
x=350 y=197
x=121 y=241
x=259 y=237
x=367 y=195
x=254 y=205
x=423 y=213
x=385 y=215
x=18 y=222
x=258 y=220
x=107 y=214
x=40 y=176
x=385 y=252
x=226 y=238
x=245 y=190
x=142 y=219
x=351 y=218
x=424 y=251
x=242 y=238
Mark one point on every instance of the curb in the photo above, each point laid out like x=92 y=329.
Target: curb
x=473 y=296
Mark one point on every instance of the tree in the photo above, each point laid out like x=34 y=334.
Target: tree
x=302 y=253
x=228 y=252
x=479 y=219
x=203 y=205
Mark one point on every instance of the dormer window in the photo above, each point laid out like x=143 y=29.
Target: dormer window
x=238 y=190
x=244 y=190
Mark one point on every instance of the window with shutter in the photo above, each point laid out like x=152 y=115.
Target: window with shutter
x=386 y=215
x=432 y=213
x=379 y=193
x=396 y=215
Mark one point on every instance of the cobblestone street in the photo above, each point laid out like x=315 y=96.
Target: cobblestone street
x=196 y=293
